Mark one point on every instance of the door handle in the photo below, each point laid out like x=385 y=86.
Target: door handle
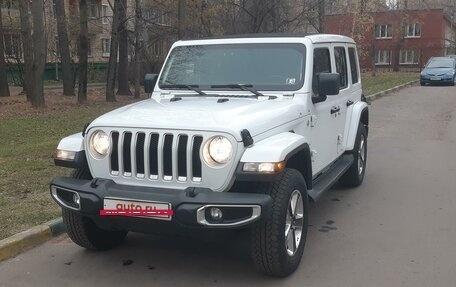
x=335 y=110
x=349 y=103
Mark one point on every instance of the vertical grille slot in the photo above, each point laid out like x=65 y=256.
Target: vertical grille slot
x=168 y=157
x=182 y=158
x=114 y=153
x=153 y=156
x=140 y=140
x=126 y=150
x=196 y=160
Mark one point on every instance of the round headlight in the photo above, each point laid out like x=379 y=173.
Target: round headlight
x=218 y=150
x=99 y=144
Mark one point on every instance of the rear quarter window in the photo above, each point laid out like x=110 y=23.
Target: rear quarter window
x=353 y=65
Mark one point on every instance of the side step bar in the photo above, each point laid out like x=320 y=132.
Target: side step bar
x=330 y=177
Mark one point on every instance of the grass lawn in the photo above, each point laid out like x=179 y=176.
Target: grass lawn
x=28 y=138
x=384 y=81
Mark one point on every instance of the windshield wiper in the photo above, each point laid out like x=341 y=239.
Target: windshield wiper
x=187 y=87
x=244 y=87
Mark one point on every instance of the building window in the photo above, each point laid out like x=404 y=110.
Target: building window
x=157 y=48
x=157 y=17
x=57 y=47
x=89 y=47
x=105 y=14
x=106 y=47
x=408 y=57
x=93 y=8
x=9 y=4
x=383 y=31
x=12 y=46
x=383 y=57
x=413 y=30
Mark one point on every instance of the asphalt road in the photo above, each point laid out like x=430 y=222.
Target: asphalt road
x=397 y=229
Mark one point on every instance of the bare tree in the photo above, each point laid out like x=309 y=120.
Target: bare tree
x=321 y=15
x=112 y=65
x=137 y=64
x=64 y=49
x=27 y=46
x=39 y=53
x=180 y=18
x=83 y=51
x=122 y=77
x=4 y=89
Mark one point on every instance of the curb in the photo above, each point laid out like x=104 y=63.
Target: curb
x=384 y=93
x=18 y=243
x=89 y=85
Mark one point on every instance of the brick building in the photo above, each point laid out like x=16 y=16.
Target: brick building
x=397 y=39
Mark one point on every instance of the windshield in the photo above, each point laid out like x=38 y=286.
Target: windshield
x=273 y=67
x=443 y=63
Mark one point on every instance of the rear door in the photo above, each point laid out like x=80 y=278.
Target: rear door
x=339 y=108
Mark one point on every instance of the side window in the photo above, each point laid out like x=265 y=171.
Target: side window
x=321 y=64
x=341 y=66
x=353 y=65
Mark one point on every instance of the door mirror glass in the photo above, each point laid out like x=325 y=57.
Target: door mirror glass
x=149 y=82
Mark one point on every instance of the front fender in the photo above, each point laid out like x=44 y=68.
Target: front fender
x=70 y=152
x=74 y=143
x=352 y=123
x=274 y=149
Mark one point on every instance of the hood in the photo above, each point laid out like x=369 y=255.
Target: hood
x=437 y=71
x=204 y=114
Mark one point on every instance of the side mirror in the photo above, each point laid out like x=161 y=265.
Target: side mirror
x=328 y=84
x=149 y=82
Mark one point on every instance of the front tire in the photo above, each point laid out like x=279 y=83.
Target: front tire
x=278 y=240
x=83 y=231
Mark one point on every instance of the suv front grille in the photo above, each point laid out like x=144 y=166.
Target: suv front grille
x=156 y=156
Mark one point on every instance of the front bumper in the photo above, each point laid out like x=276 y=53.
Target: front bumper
x=435 y=80
x=186 y=204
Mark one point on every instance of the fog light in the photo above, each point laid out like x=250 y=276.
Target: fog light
x=76 y=198
x=216 y=213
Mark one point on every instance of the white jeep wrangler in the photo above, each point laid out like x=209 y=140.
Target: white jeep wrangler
x=239 y=132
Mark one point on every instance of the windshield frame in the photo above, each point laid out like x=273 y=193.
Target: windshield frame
x=298 y=46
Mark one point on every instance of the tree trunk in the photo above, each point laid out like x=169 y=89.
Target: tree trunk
x=112 y=66
x=39 y=53
x=27 y=46
x=83 y=51
x=137 y=68
x=321 y=16
x=123 y=85
x=180 y=19
x=65 y=58
x=4 y=89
